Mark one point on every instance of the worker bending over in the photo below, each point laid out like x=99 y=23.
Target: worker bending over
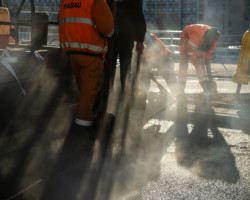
x=157 y=55
x=198 y=41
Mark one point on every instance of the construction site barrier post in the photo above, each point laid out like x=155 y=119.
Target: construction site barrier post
x=241 y=76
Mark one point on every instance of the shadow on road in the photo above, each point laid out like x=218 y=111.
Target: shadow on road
x=26 y=137
x=71 y=169
x=203 y=150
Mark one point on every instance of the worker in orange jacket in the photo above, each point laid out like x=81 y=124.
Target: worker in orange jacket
x=83 y=30
x=198 y=41
x=157 y=55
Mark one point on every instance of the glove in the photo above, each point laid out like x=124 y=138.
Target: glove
x=139 y=47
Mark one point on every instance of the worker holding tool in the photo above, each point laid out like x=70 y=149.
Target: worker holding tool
x=198 y=41
x=131 y=27
x=157 y=55
x=84 y=27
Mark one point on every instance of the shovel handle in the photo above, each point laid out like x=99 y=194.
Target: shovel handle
x=138 y=69
x=209 y=73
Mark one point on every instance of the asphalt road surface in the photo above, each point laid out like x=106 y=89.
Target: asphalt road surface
x=174 y=149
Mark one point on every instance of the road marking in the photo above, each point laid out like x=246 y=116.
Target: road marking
x=25 y=189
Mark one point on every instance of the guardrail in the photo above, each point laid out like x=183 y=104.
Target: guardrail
x=227 y=49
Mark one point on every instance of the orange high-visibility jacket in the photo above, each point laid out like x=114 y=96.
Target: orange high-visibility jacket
x=4 y=29
x=192 y=39
x=155 y=48
x=81 y=30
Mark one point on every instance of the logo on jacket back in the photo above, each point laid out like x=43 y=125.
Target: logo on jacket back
x=73 y=5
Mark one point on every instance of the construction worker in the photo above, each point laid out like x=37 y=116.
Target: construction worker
x=157 y=55
x=83 y=30
x=131 y=27
x=198 y=41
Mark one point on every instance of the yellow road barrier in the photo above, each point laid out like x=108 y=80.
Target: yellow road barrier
x=241 y=76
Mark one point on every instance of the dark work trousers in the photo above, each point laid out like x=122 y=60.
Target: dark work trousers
x=123 y=47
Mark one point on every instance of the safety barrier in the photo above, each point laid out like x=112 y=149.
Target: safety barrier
x=241 y=74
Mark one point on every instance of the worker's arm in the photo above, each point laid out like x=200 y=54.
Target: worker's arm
x=209 y=53
x=103 y=18
x=138 y=23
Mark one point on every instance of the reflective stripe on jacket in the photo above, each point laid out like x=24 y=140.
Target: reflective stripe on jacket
x=77 y=30
x=193 y=36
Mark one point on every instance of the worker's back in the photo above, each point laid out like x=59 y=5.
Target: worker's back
x=194 y=34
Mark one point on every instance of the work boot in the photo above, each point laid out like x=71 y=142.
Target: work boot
x=78 y=142
x=82 y=132
x=209 y=87
x=213 y=87
x=205 y=87
x=103 y=124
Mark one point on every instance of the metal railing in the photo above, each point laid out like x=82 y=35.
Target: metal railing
x=53 y=37
x=227 y=50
